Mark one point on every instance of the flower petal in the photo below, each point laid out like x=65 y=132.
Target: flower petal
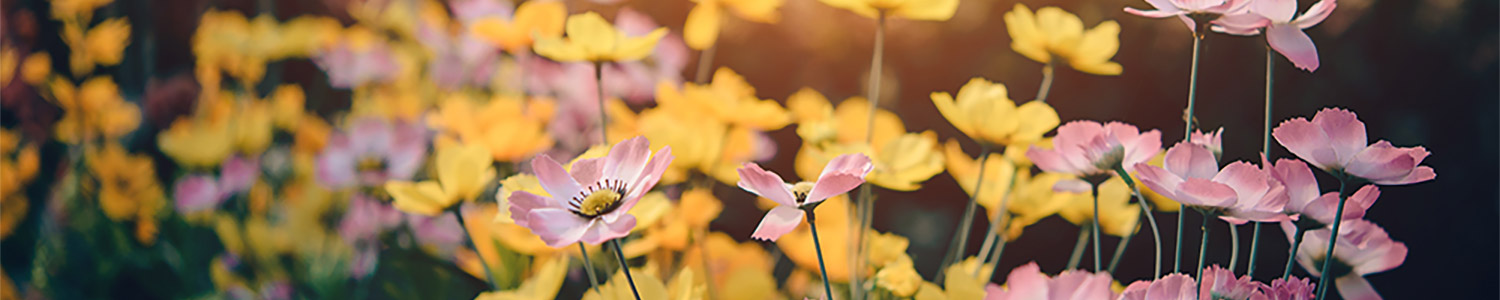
x=643 y=183
x=702 y=26
x=765 y=184
x=1307 y=141
x=1315 y=14
x=1202 y=192
x=600 y=231
x=779 y=221
x=521 y=203
x=842 y=174
x=1291 y=42
x=1188 y=160
x=553 y=179
x=557 y=227
x=1355 y=287
x=626 y=160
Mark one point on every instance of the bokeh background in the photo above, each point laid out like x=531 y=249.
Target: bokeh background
x=1418 y=72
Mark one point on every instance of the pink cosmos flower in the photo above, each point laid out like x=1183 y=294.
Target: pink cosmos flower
x=198 y=193
x=1219 y=283
x=1283 y=33
x=1214 y=141
x=459 y=59
x=842 y=174
x=591 y=202
x=1090 y=148
x=1303 y=200
x=1028 y=282
x=1335 y=141
x=1240 y=192
x=371 y=152
x=1282 y=289
x=1188 y=10
x=350 y=65
x=1363 y=248
x=1171 y=287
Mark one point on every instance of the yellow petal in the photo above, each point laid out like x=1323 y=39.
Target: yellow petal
x=592 y=34
x=425 y=198
x=463 y=171
x=105 y=43
x=559 y=49
x=541 y=18
x=649 y=286
x=1034 y=119
x=927 y=10
x=702 y=27
x=763 y=11
x=35 y=68
x=632 y=49
x=1096 y=47
x=861 y=7
x=808 y=104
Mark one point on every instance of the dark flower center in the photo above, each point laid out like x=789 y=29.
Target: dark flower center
x=600 y=198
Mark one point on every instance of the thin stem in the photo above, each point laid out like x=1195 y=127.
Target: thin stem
x=1083 y=240
x=603 y=117
x=818 y=246
x=1097 y=261
x=1202 y=249
x=588 y=267
x=1001 y=220
x=1234 y=246
x=960 y=239
x=1177 y=258
x=1333 y=238
x=625 y=268
x=999 y=250
x=1186 y=132
x=1046 y=87
x=1292 y=255
x=1114 y=261
x=866 y=204
x=705 y=62
x=487 y=273
x=1151 y=219
x=1265 y=149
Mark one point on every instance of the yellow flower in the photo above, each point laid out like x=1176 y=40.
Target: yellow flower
x=833 y=233
x=197 y=143
x=901 y=280
x=81 y=9
x=1117 y=216
x=35 y=68
x=462 y=172
x=251 y=124
x=287 y=103
x=703 y=22
x=1055 y=33
x=104 y=44
x=728 y=98
x=510 y=129
x=927 y=10
x=542 y=19
x=543 y=284
x=127 y=186
x=93 y=110
x=902 y=160
x=984 y=113
x=699 y=207
x=930 y=291
x=649 y=286
x=961 y=281
x=727 y=259
x=591 y=38
x=687 y=285
x=1034 y=200
x=886 y=249
x=19 y=164
x=998 y=173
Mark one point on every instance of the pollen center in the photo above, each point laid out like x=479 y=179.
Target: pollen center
x=599 y=199
x=800 y=190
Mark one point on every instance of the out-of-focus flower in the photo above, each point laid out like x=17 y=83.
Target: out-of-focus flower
x=1191 y=12
x=35 y=68
x=728 y=260
x=647 y=284
x=79 y=9
x=632 y=81
x=900 y=279
x=1283 y=33
x=371 y=152
x=834 y=231
x=93 y=110
x=998 y=174
x=462 y=172
x=458 y=59
x=1117 y=216
x=886 y=249
x=532 y=19
x=729 y=98
x=198 y=193
x=19 y=163
x=902 y=160
x=542 y=284
x=703 y=22
x=221 y=127
x=103 y=44
x=510 y=235
x=1028 y=282
x=1363 y=248
x=1088 y=148
x=228 y=42
x=1303 y=200
x=509 y=128
x=842 y=174
x=596 y=210
x=1239 y=193
x=127 y=188
x=966 y=279
x=366 y=217
x=1220 y=283
x=1034 y=199
x=1335 y=141
x=927 y=10
x=1284 y=289
x=357 y=57
x=591 y=38
x=1171 y=287
x=984 y=113
x=1052 y=33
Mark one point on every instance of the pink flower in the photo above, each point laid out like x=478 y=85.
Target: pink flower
x=1363 y=248
x=458 y=60
x=198 y=193
x=372 y=152
x=1028 y=282
x=1303 y=200
x=1335 y=141
x=1187 y=10
x=1219 y=283
x=1170 y=287
x=1283 y=32
x=1240 y=192
x=350 y=66
x=366 y=218
x=591 y=202
x=842 y=174
x=1282 y=289
x=1214 y=141
x=1089 y=148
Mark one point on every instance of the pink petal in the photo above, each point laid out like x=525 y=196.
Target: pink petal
x=994 y=292
x=1050 y=160
x=553 y=179
x=195 y=193
x=1072 y=186
x=1308 y=142
x=1025 y=282
x=1076 y=284
x=600 y=230
x=626 y=159
x=766 y=184
x=1159 y=180
x=1291 y=42
x=842 y=174
x=1346 y=134
x=1162 y=13
x=1187 y=160
x=1141 y=148
x=1077 y=133
x=1385 y=164
x=1280 y=11
x=238 y=174
x=1301 y=186
x=1355 y=287
x=1247 y=180
x=557 y=227
x=336 y=165
x=1201 y=192
x=523 y=202
x=1165 y=5
x=587 y=170
x=779 y=221
x=370 y=135
x=1136 y=290
x=1315 y=14
x=1173 y=287
x=644 y=183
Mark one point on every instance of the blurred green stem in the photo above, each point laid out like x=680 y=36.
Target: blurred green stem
x=1265 y=151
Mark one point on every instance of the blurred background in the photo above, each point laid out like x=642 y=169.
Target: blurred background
x=1417 y=72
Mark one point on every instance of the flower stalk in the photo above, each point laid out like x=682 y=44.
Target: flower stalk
x=960 y=239
x=625 y=268
x=1150 y=219
x=1186 y=132
x=588 y=267
x=1083 y=240
x=1095 y=232
x=818 y=247
x=1265 y=149
x=1333 y=237
x=1202 y=248
x=866 y=209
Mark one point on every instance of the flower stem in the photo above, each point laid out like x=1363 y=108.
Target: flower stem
x=1083 y=240
x=1151 y=219
x=603 y=117
x=1046 y=87
x=818 y=246
x=1202 y=250
x=960 y=239
x=1234 y=246
x=1292 y=255
x=705 y=63
x=488 y=278
x=866 y=204
x=1187 y=131
x=1001 y=220
x=1265 y=150
x=588 y=267
x=1114 y=261
x=1333 y=237
x=1096 y=231
x=625 y=268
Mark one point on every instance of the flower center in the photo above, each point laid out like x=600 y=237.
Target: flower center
x=598 y=199
x=800 y=190
x=370 y=164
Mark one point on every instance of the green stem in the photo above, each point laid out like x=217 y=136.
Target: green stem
x=1114 y=261
x=1202 y=249
x=588 y=267
x=487 y=273
x=960 y=239
x=1002 y=214
x=1187 y=131
x=1046 y=87
x=1151 y=219
x=625 y=268
x=866 y=204
x=1333 y=237
x=1292 y=255
x=1265 y=150
x=999 y=250
x=1096 y=232
x=818 y=246
x=1234 y=246
x=1083 y=240
x=705 y=62
x=603 y=117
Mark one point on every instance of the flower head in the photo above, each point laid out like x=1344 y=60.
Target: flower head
x=1288 y=289
x=1240 y=192
x=462 y=171
x=371 y=152
x=1028 y=282
x=1089 y=148
x=1335 y=141
x=1171 y=287
x=1283 y=33
x=532 y=19
x=1191 y=12
x=1304 y=202
x=591 y=38
x=1220 y=283
x=92 y=110
x=927 y=10
x=591 y=202
x=1362 y=248
x=703 y=22
x=1052 y=33
x=842 y=174
x=984 y=113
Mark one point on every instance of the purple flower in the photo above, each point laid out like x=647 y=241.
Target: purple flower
x=371 y=152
